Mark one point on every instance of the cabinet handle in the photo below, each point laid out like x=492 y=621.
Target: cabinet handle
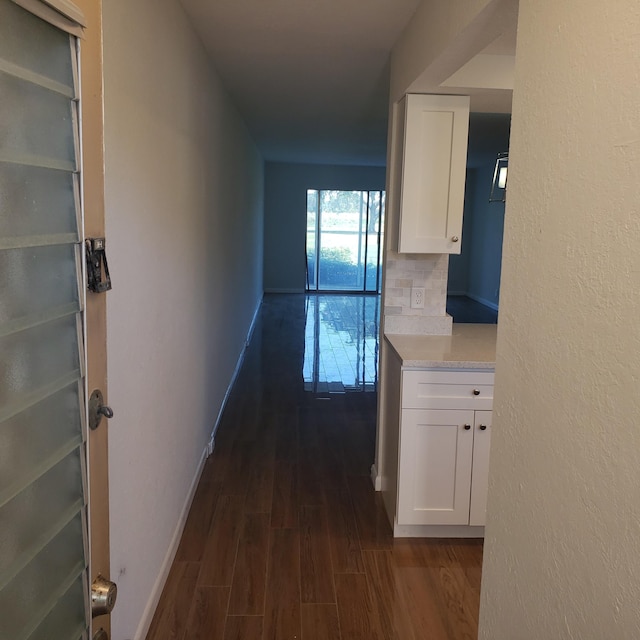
x=467 y=427
x=454 y=238
x=483 y=427
x=476 y=392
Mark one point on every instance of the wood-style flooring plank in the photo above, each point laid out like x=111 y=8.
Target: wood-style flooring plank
x=458 y=601
x=316 y=573
x=261 y=475
x=469 y=554
x=356 y=448
x=308 y=427
x=242 y=628
x=383 y=578
x=424 y=607
x=356 y=609
x=309 y=479
x=282 y=608
x=286 y=437
x=239 y=470
x=171 y=617
x=284 y=505
x=250 y=573
x=343 y=534
x=194 y=536
x=208 y=613
x=374 y=529
x=434 y=582
x=219 y=554
x=320 y=622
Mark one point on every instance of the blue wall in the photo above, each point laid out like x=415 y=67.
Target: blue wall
x=285 y=214
x=476 y=272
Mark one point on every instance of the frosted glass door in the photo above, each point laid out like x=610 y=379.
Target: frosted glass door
x=43 y=512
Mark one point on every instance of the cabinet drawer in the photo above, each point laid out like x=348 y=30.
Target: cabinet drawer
x=447 y=389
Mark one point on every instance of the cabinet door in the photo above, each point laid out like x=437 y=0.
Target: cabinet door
x=480 y=469
x=436 y=448
x=433 y=173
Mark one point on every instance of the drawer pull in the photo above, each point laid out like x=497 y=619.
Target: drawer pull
x=483 y=427
x=476 y=392
x=467 y=427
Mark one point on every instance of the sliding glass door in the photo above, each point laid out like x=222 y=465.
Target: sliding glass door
x=344 y=240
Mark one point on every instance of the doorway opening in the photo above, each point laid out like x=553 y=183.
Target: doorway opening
x=344 y=240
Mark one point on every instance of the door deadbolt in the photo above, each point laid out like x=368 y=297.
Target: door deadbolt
x=103 y=596
x=97 y=409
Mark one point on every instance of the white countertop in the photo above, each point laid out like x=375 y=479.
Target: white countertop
x=471 y=346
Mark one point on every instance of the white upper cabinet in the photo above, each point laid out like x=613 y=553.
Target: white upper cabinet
x=428 y=168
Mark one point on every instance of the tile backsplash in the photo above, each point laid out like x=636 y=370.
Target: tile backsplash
x=404 y=271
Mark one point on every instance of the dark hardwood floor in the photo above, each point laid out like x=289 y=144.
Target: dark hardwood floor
x=286 y=538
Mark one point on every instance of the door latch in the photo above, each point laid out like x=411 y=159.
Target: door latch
x=97 y=409
x=97 y=265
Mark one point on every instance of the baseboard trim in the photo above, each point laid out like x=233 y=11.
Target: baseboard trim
x=156 y=592
x=277 y=290
x=212 y=438
x=456 y=293
x=375 y=478
x=484 y=301
x=436 y=531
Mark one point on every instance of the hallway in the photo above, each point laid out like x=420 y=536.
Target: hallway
x=286 y=538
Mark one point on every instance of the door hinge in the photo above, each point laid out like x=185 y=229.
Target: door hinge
x=96 y=259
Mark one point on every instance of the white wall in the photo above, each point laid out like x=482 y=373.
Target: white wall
x=562 y=552
x=184 y=192
x=285 y=211
x=441 y=37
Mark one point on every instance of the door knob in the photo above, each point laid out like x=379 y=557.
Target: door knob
x=467 y=427
x=454 y=239
x=103 y=596
x=483 y=427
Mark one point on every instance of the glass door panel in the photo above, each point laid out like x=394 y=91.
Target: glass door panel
x=312 y=238
x=344 y=231
x=43 y=511
x=375 y=236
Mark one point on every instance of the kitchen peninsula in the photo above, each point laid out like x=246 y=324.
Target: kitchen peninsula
x=433 y=460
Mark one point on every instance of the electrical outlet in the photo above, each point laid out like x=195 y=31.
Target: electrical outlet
x=417 y=298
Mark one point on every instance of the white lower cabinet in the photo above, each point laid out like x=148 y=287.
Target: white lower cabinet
x=480 y=468
x=443 y=466
x=442 y=450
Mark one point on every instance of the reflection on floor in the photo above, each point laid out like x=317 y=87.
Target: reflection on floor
x=463 y=309
x=341 y=343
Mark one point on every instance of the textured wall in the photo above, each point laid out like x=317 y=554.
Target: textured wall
x=184 y=227
x=562 y=554
x=285 y=214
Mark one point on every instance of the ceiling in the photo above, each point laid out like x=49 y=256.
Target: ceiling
x=310 y=78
